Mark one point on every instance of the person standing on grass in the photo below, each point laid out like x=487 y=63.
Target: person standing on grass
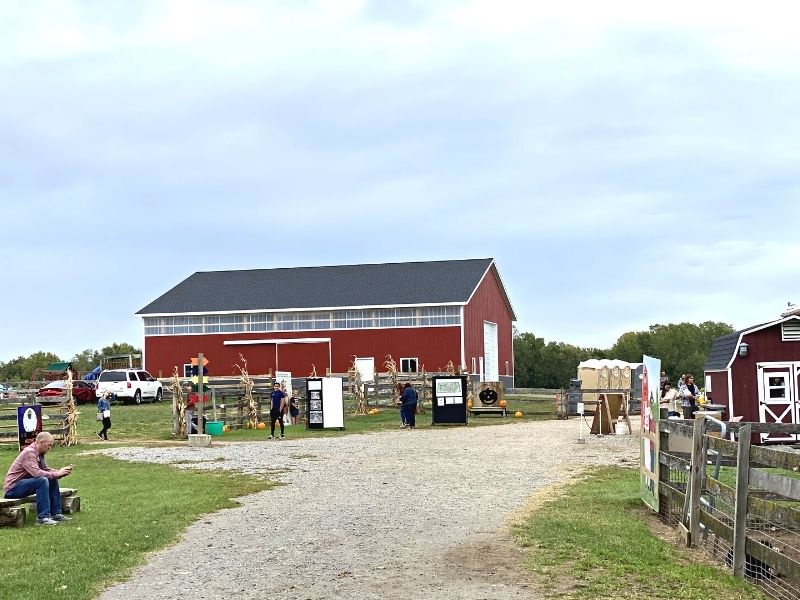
x=669 y=396
x=689 y=393
x=409 y=400
x=276 y=409
x=294 y=410
x=403 y=418
x=29 y=474
x=104 y=409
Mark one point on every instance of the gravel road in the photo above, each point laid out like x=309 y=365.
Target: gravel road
x=401 y=514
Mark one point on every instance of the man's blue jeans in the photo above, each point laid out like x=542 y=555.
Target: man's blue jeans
x=48 y=496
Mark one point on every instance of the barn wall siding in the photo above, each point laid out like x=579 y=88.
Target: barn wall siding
x=488 y=304
x=432 y=346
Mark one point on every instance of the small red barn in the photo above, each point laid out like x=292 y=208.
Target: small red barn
x=755 y=372
x=422 y=313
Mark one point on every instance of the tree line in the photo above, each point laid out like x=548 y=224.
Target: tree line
x=23 y=368
x=682 y=348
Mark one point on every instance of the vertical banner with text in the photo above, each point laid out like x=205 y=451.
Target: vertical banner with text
x=648 y=455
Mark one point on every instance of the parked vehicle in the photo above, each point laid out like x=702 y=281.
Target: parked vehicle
x=132 y=385
x=82 y=391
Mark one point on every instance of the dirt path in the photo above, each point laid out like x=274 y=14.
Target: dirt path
x=402 y=514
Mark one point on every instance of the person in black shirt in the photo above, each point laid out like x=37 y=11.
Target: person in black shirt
x=276 y=409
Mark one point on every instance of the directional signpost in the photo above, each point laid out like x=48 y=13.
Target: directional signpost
x=199 y=372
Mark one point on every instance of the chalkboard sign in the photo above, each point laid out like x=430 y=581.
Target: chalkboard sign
x=449 y=399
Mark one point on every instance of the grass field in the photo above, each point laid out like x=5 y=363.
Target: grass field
x=153 y=422
x=594 y=542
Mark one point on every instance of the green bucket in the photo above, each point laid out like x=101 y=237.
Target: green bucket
x=214 y=427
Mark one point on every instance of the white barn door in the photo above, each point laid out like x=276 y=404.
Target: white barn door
x=777 y=399
x=490 y=351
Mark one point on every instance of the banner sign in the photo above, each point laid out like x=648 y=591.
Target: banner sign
x=29 y=424
x=648 y=455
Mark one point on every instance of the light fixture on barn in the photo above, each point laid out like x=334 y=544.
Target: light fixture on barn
x=743 y=347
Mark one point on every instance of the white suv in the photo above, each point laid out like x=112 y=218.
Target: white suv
x=129 y=384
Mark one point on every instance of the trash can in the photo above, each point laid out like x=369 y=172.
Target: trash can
x=214 y=427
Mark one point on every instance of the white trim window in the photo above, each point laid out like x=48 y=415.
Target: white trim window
x=409 y=365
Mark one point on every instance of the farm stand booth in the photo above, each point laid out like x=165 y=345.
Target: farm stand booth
x=319 y=318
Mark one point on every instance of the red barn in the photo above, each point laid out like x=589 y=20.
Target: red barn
x=422 y=313
x=755 y=372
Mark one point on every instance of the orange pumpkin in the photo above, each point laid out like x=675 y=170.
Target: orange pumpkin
x=518 y=414
x=469 y=403
x=261 y=426
x=503 y=403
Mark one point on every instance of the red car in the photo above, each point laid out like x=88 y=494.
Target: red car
x=82 y=391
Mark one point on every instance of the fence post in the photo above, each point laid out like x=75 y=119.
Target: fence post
x=696 y=482
x=740 y=510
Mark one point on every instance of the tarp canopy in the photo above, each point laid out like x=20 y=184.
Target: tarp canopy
x=59 y=366
x=93 y=374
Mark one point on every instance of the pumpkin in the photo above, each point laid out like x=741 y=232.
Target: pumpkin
x=503 y=403
x=518 y=414
x=469 y=403
x=261 y=426
x=225 y=429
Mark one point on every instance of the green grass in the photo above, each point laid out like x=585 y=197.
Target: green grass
x=594 y=542
x=127 y=511
x=153 y=422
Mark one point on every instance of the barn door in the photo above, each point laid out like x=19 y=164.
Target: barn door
x=777 y=401
x=490 y=351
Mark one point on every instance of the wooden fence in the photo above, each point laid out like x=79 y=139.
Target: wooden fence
x=738 y=502
x=53 y=415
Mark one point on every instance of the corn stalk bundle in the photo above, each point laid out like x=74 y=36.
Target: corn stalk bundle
x=426 y=393
x=180 y=403
x=251 y=409
x=71 y=418
x=391 y=370
x=313 y=373
x=357 y=388
x=450 y=368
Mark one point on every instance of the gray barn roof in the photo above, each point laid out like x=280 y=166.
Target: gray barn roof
x=722 y=351
x=724 y=347
x=438 y=282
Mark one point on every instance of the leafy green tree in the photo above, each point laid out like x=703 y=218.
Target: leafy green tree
x=119 y=348
x=23 y=368
x=86 y=360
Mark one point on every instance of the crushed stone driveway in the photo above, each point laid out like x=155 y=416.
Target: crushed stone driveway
x=400 y=514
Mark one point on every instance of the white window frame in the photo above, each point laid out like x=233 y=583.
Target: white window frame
x=416 y=364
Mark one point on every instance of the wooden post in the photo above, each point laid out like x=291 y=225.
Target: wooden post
x=697 y=475
x=740 y=510
x=200 y=391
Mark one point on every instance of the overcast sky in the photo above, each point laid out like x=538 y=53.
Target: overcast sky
x=625 y=163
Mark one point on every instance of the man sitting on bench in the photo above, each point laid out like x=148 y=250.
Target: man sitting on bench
x=30 y=474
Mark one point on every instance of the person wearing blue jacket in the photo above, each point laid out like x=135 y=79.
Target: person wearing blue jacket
x=409 y=400
x=104 y=409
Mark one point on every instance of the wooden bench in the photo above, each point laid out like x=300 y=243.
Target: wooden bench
x=487 y=410
x=13 y=513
